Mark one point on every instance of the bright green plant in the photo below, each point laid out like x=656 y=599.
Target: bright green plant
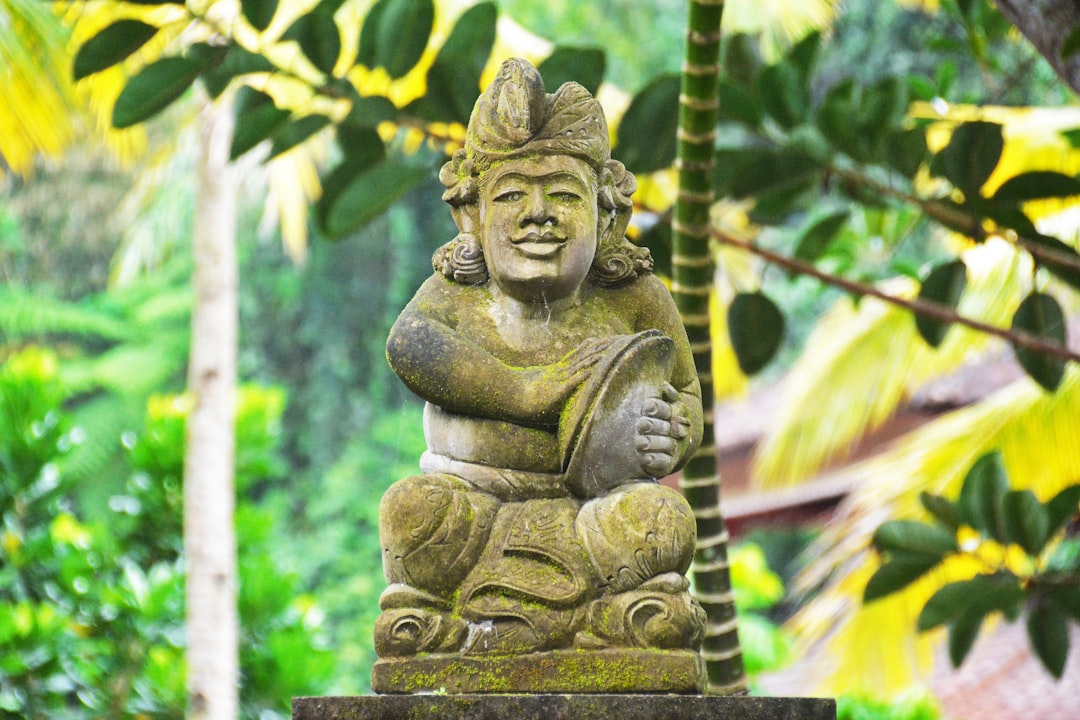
x=1026 y=561
x=91 y=613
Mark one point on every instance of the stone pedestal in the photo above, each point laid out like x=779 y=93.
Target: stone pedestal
x=618 y=670
x=561 y=707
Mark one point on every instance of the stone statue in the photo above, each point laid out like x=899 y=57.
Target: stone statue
x=537 y=552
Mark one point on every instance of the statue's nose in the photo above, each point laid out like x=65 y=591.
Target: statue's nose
x=537 y=209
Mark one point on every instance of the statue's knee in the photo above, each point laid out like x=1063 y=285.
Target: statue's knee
x=433 y=528
x=636 y=533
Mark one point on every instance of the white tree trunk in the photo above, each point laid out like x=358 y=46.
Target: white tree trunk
x=209 y=496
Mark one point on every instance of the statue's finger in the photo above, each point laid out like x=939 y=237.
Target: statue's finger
x=656 y=408
x=653 y=426
x=669 y=393
x=655 y=444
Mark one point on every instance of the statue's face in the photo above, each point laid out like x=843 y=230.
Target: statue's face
x=538 y=219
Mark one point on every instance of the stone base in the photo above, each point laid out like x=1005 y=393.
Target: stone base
x=561 y=707
x=556 y=671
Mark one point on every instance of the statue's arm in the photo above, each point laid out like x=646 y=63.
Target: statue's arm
x=446 y=368
x=683 y=401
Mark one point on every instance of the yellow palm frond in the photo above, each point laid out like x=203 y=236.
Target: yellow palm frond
x=876 y=646
x=778 y=23
x=862 y=360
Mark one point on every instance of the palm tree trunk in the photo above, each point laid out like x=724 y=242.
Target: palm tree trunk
x=209 y=497
x=692 y=281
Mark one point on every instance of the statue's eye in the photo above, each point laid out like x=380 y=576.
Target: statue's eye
x=565 y=196
x=509 y=196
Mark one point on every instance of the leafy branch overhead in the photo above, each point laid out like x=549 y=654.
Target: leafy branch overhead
x=989 y=514
x=783 y=147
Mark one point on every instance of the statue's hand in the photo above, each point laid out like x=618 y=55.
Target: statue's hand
x=547 y=388
x=660 y=432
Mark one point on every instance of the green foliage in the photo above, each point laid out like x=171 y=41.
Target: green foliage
x=395 y=34
x=786 y=145
x=911 y=707
x=757 y=329
x=111 y=46
x=647 y=130
x=1040 y=315
x=943 y=285
x=1045 y=585
x=91 y=614
x=757 y=589
x=584 y=66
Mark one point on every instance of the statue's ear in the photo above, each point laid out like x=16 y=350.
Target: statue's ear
x=466 y=217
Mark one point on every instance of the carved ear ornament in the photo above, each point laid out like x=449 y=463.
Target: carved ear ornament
x=461 y=260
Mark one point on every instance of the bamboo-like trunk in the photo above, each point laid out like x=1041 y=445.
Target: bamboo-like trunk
x=692 y=281
x=209 y=496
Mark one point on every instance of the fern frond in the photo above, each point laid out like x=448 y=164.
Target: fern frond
x=28 y=315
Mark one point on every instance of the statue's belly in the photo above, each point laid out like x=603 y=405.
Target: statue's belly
x=495 y=443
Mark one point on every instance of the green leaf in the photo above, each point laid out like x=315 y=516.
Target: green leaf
x=1037 y=185
x=453 y=82
x=738 y=104
x=395 y=34
x=884 y=104
x=1026 y=521
x=803 y=55
x=257 y=118
x=292 y=134
x=1066 y=271
x=836 y=119
x=912 y=536
x=943 y=286
x=237 y=61
x=1062 y=508
x=360 y=144
x=317 y=35
x=962 y=636
x=1040 y=315
x=948 y=604
x=362 y=158
x=979 y=504
x=110 y=46
x=1048 y=630
x=259 y=12
x=970 y=599
x=896 y=575
x=367 y=196
x=971 y=156
x=814 y=239
x=648 y=128
x=742 y=60
x=905 y=150
x=755 y=171
x=585 y=66
x=783 y=94
x=756 y=326
x=153 y=89
x=1071 y=44
x=1066 y=598
x=368 y=112
x=943 y=510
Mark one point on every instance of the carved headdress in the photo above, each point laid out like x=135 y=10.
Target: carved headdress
x=515 y=117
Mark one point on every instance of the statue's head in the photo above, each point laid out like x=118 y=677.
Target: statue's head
x=539 y=203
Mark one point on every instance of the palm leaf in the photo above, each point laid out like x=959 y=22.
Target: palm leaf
x=876 y=645
x=862 y=361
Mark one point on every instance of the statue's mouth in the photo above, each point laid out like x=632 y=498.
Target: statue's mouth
x=539 y=244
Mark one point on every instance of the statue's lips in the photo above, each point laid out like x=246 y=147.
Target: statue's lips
x=538 y=245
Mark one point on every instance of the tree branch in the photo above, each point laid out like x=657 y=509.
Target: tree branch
x=922 y=307
x=1046 y=24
